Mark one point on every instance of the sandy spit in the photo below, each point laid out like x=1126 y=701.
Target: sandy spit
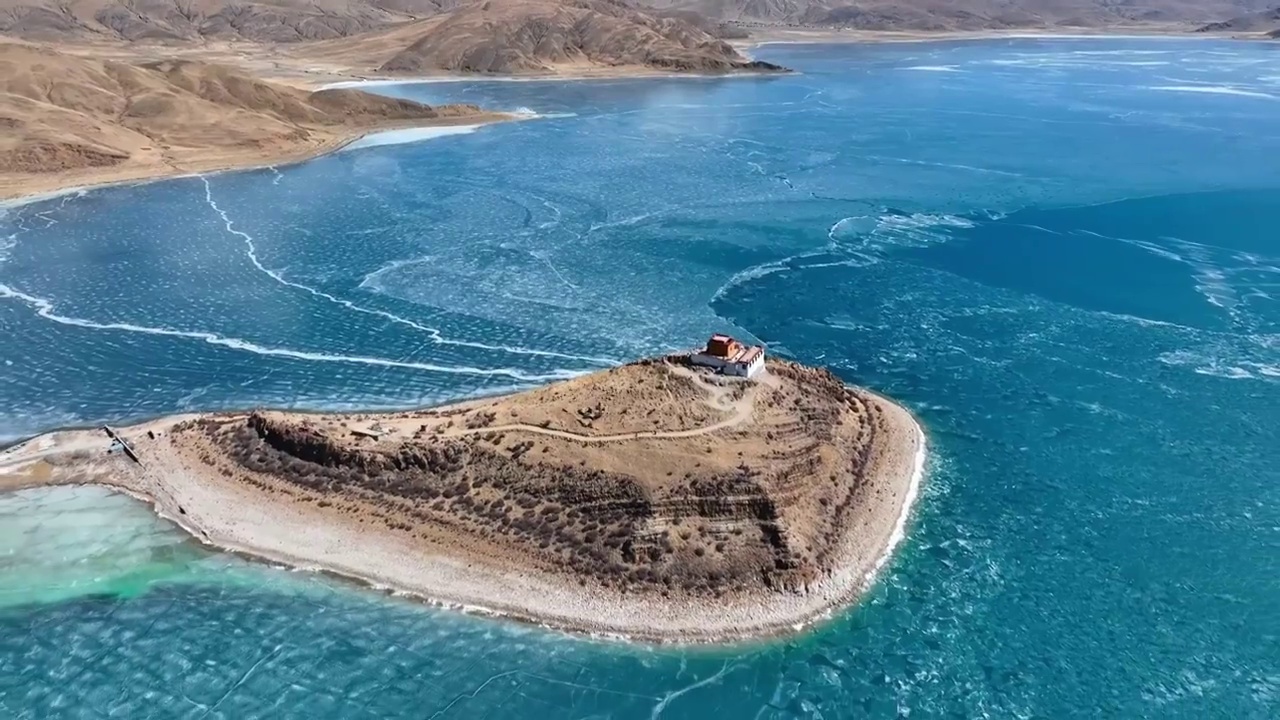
x=32 y=188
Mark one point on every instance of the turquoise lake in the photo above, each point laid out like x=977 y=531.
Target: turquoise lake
x=1062 y=254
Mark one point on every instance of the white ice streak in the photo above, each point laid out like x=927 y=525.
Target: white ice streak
x=935 y=68
x=666 y=699
x=1214 y=277
x=848 y=226
x=952 y=166
x=625 y=221
x=915 y=230
x=433 y=333
x=410 y=135
x=1214 y=90
x=857 y=241
x=752 y=273
x=45 y=309
x=1215 y=365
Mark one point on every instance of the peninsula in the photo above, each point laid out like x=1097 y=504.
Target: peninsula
x=662 y=500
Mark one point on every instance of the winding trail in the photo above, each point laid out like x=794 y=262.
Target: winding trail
x=718 y=399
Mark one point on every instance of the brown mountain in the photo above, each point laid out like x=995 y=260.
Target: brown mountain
x=97 y=120
x=401 y=35
x=1266 y=22
x=286 y=21
x=952 y=15
x=175 y=20
x=522 y=36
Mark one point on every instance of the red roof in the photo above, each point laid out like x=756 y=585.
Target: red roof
x=722 y=346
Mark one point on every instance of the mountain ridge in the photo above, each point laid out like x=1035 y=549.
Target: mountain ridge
x=1266 y=22
x=293 y=21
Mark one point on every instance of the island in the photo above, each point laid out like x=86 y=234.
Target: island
x=708 y=496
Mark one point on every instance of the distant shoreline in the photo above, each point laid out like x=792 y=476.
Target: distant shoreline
x=238 y=517
x=39 y=187
x=819 y=36
x=57 y=184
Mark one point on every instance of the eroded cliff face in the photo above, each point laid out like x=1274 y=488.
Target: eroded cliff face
x=700 y=528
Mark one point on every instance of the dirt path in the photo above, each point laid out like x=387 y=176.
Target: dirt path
x=719 y=397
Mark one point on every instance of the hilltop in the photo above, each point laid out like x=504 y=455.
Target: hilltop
x=495 y=36
x=539 y=35
x=502 y=24
x=536 y=37
x=296 y=21
x=71 y=119
x=655 y=499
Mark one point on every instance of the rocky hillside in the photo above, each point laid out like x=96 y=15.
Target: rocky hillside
x=1266 y=22
x=951 y=15
x=62 y=112
x=177 y=20
x=522 y=36
x=500 y=36
x=287 y=21
x=712 y=488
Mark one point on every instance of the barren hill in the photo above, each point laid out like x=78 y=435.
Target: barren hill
x=274 y=21
x=514 y=36
x=952 y=15
x=647 y=477
x=655 y=498
x=177 y=20
x=288 y=21
x=1266 y=22
x=72 y=114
